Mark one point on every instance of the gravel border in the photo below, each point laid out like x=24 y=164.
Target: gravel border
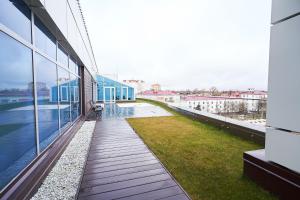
x=64 y=179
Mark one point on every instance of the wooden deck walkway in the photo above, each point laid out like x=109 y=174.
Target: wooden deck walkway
x=120 y=166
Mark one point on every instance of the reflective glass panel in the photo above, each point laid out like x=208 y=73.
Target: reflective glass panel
x=124 y=93
x=130 y=93
x=62 y=56
x=17 y=121
x=16 y=15
x=64 y=97
x=72 y=65
x=107 y=94
x=47 y=101
x=44 y=40
x=75 y=97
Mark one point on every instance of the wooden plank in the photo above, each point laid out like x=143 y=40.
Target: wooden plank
x=119 y=165
x=119 y=162
x=124 y=177
x=156 y=194
x=104 y=160
x=131 y=191
x=121 y=172
x=123 y=184
x=177 y=197
x=94 y=156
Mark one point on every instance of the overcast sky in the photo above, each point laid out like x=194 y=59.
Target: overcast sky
x=182 y=43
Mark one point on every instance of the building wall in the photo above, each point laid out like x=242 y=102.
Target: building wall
x=283 y=111
x=88 y=90
x=68 y=18
x=41 y=59
x=111 y=90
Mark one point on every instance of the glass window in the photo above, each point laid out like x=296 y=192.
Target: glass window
x=75 y=97
x=64 y=97
x=130 y=93
x=44 y=40
x=72 y=65
x=16 y=16
x=17 y=121
x=78 y=70
x=124 y=93
x=62 y=56
x=47 y=93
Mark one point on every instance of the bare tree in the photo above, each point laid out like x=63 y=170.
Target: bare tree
x=261 y=107
x=242 y=107
x=213 y=91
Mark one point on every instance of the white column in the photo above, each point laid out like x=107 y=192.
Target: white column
x=283 y=114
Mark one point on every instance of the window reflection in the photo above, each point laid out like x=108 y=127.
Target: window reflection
x=47 y=101
x=62 y=56
x=44 y=40
x=16 y=15
x=75 y=97
x=17 y=127
x=72 y=65
x=64 y=97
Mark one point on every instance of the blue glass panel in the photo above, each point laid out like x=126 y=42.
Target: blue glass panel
x=118 y=91
x=62 y=56
x=124 y=93
x=75 y=97
x=64 y=97
x=16 y=15
x=44 y=40
x=17 y=121
x=130 y=93
x=107 y=94
x=47 y=101
x=113 y=91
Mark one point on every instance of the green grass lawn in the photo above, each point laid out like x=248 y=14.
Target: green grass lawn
x=205 y=160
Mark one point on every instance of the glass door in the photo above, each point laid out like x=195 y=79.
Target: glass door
x=109 y=94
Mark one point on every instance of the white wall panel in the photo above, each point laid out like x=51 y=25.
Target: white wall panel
x=284 y=8
x=283 y=148
x=58 y=11
x=283 y=110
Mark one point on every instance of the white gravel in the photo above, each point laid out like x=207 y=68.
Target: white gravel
x=64 y=179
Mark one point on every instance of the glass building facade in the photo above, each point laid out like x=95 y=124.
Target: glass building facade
x=109 y=90
x=40 y=88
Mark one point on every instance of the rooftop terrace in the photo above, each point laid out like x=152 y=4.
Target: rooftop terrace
x=205 y=160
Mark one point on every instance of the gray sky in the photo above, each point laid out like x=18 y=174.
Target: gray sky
x=182 y=43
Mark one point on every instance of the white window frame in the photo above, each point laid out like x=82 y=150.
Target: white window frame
x=61 y=96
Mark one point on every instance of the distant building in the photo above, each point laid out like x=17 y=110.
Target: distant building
x=254 y=99
x=222 y=104
x=155 y=87
x=138 y=85
x=110 y=90
x=39 y=86
x=255 y=94
x=161 y=95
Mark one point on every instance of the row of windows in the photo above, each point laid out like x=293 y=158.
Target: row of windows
x=17 y=17
x=57 y=88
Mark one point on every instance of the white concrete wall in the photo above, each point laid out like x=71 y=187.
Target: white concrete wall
x=283 y=108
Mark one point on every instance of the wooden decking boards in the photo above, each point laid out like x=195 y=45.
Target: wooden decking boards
x=120 y=166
